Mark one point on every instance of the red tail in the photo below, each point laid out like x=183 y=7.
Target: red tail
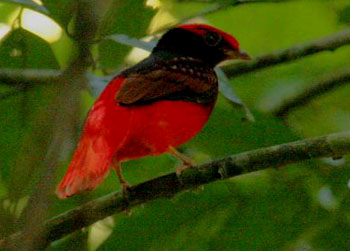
x=98 y=144
x=88 y=168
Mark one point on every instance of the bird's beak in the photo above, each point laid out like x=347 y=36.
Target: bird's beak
x=240 y=54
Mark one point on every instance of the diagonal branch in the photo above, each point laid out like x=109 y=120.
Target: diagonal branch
x=169 y=185
x=305 y=96
x=328 y=43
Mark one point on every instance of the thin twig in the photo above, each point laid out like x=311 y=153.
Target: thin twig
x=305 y=96
x=13 y=77
x=328 y=43
x=170 y=185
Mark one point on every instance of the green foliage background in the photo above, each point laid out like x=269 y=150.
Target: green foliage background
x=299 y=207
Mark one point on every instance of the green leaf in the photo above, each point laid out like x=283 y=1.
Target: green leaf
x=29 y=4
x=23 y=49
x=9 y=13
x=19 y=113
x=228 y=92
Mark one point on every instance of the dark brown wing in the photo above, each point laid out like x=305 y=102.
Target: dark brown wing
x=145 y=87
x=169 y=83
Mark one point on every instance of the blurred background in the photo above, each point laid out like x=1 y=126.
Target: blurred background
x=56 y=56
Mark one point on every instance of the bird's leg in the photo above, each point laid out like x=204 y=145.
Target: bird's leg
x=125 y=185
x=186 y=161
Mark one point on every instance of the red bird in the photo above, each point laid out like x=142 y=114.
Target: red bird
x=152 y=107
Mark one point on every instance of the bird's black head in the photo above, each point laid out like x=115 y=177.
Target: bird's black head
x=199 y=41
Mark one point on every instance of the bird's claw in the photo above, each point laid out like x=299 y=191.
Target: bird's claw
x=125 y=195
x=181 y=168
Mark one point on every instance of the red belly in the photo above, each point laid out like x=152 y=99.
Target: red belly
x=156 y=126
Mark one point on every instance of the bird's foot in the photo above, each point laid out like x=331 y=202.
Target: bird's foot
x=185 y=160
x=181 y=168
x=125 y=195
x=124 y=184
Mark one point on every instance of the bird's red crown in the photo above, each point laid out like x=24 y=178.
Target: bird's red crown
x=202 y=29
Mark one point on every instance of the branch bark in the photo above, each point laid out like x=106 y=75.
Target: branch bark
x=322 y=86
x=328 y=43
x=169 y=185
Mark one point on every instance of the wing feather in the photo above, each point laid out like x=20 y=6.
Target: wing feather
x=154 y=85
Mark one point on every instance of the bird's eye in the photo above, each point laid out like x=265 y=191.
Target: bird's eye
x=212 y=39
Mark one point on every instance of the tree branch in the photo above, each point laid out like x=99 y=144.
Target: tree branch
x=169 y=185
x=305 y=96
x=16 y=77
x=328 y=43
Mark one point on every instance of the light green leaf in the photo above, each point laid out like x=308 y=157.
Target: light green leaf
x=228 y=92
